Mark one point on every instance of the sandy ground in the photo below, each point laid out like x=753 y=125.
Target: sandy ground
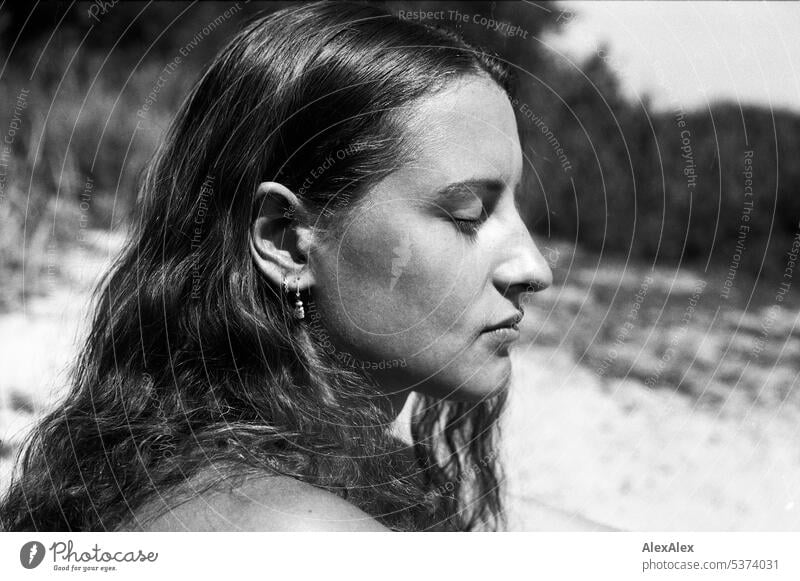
x=637 y=459
x=607 y=451
x=39 y=341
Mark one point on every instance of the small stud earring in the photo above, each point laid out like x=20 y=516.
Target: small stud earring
x=299 y=311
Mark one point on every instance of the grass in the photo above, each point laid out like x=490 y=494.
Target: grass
x=76 y=148
x=671 y=329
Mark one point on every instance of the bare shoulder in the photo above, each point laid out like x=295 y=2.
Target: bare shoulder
x=268 y=503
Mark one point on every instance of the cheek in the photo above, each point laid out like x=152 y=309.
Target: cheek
x=397 y=283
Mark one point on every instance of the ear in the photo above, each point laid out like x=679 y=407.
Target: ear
x=279 y=242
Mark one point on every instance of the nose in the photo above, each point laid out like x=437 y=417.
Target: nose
x=521 y=267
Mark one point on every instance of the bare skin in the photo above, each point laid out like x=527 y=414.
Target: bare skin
x=282 y=504
x=431 y=309
x=433 y=256
x=265 y=503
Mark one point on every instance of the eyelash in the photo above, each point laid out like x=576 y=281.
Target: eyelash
x=468 y=227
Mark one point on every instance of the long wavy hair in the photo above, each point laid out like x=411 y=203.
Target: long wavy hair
x=193 y=360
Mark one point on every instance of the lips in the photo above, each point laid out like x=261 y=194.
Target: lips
x=510 y=322
x=503 y=333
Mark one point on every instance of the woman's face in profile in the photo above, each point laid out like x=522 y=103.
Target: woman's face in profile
x=436 y=254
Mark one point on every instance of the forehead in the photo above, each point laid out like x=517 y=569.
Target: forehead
x=466 y=130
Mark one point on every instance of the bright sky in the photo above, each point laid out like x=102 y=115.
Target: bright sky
x=693 y=52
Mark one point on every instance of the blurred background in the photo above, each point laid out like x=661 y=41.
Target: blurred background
x=657 y=386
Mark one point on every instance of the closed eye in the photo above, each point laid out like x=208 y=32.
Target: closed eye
x=469 y=202
x=470 y=226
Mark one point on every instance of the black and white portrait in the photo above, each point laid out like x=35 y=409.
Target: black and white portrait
x=399 y=266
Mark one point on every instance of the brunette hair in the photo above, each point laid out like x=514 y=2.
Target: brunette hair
x=193 y=360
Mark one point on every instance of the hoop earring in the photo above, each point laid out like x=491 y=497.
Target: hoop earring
x=299 y=311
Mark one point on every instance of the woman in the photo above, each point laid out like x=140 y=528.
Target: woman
x=329 y=226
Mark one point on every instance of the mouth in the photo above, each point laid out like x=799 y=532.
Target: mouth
x=510 y=322
x=505 y=331
x=503 y=334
